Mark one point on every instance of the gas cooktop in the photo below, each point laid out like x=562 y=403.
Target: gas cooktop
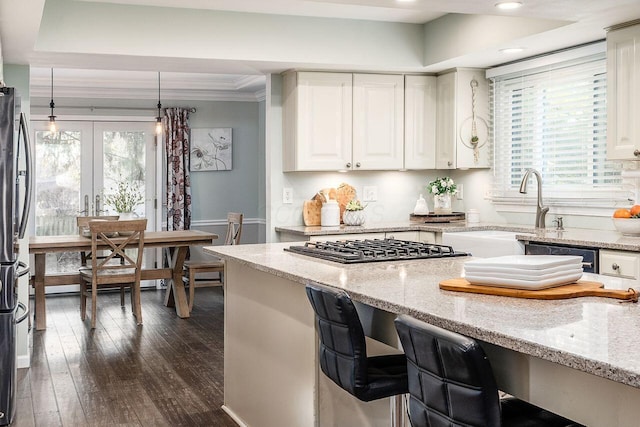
x=374 y=250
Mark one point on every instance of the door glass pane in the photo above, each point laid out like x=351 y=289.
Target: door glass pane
x=124 y=160
x=58 y=191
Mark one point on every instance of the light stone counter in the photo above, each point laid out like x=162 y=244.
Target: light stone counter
x=600 y=336
x=577 y=357
x=383 y=227
x=603 y=239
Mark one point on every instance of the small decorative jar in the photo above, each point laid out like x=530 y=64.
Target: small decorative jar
x=473 y=216
x=330 y=214
x=442 y=204
x=354 y=217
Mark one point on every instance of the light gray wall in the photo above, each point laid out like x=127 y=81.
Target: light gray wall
x=262 y=184
x=240 y=189
x=213 y=193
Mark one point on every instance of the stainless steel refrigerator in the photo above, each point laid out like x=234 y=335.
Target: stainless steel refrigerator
x=15 y=166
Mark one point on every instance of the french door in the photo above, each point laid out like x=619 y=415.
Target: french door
x=78 y=165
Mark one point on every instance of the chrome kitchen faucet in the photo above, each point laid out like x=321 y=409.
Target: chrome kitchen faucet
x=541 y=211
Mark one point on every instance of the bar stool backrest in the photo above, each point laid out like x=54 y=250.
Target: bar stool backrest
x=343 y=352
x=450 y=378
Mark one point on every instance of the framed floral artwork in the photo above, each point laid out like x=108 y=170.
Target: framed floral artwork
x=211 y=149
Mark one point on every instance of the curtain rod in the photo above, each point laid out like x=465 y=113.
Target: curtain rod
x=191 y=109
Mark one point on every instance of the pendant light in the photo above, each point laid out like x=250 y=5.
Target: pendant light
x=159 y=117
x=52 y=118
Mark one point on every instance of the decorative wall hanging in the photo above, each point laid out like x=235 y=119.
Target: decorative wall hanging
x=211 y=149
x=474 y=131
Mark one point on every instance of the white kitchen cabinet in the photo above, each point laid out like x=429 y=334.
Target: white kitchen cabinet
x=378 y=122
x=461 y=115
x=343 y=236
x=419 y=122
x=623 y=93
x=342 y=121
x=619 y=263
x=412 y=236
x=317 y=121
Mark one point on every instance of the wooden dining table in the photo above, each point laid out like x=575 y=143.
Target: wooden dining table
x=175 y=244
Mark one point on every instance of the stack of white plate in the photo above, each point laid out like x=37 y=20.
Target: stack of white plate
x=524 y=271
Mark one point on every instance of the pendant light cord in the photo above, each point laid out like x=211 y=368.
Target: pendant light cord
x=159 y=104
x=159 y=118
x=51 y=104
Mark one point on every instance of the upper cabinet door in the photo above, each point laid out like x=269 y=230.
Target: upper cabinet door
x=420 y=122
x=623 y=94
x=317 y=118
x=446 y=122
x=462 y=123
x=378 y=121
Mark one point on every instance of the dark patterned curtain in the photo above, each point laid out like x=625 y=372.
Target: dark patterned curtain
x=178 y=181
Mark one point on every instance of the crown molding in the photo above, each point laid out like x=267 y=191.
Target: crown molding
x=144 y=85
x=141 y=93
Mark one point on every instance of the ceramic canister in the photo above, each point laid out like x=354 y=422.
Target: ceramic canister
x=330 y=214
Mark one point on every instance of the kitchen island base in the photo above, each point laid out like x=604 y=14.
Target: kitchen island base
x=271 y=373
x=578 y=357
x=580 y=396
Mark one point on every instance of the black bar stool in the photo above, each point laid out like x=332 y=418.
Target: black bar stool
x=451 y=383
x=343 y=352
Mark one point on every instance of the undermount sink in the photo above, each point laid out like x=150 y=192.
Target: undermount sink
x=484 y=243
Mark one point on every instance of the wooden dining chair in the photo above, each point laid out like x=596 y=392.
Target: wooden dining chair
x=83 y=230
x=216 y=265
x=109 y=271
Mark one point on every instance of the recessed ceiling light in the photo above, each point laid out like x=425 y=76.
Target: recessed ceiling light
x=508 y=5
x=508 y=50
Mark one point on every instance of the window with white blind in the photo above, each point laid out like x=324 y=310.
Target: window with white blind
x=553 y=118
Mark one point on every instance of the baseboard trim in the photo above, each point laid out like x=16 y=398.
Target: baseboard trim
x=233 y=416
x=23 y=361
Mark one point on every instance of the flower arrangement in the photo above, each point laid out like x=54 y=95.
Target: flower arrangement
x=125 y=198
x=444 y=185
x=354 y=205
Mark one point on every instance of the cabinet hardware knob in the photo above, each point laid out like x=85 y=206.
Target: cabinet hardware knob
x=449 y=163
x=358 y=164
x=615 y=267
x=349 y=164
x=636 y=153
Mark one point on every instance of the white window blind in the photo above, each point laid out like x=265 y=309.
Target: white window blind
x=554 y=119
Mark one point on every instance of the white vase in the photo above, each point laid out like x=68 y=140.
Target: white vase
x=353 y=217
x=442 y=204
x=126 y=215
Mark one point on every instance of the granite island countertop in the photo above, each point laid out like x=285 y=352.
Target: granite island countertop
x=593 y=335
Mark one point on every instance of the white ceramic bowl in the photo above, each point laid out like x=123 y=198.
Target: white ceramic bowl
x=627 y=226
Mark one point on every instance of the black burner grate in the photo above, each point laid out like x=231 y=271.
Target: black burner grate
x=373 y=250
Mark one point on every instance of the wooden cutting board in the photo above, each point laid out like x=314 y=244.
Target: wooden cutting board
x=574 y=290
x=311 y=212
x=344 y=194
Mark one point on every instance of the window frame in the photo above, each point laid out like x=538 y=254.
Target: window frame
x=504 y=195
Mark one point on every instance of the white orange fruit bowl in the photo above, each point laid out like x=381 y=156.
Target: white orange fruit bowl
x=627 y=226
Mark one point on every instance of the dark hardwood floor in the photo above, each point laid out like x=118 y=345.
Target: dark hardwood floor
x=168 y=372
